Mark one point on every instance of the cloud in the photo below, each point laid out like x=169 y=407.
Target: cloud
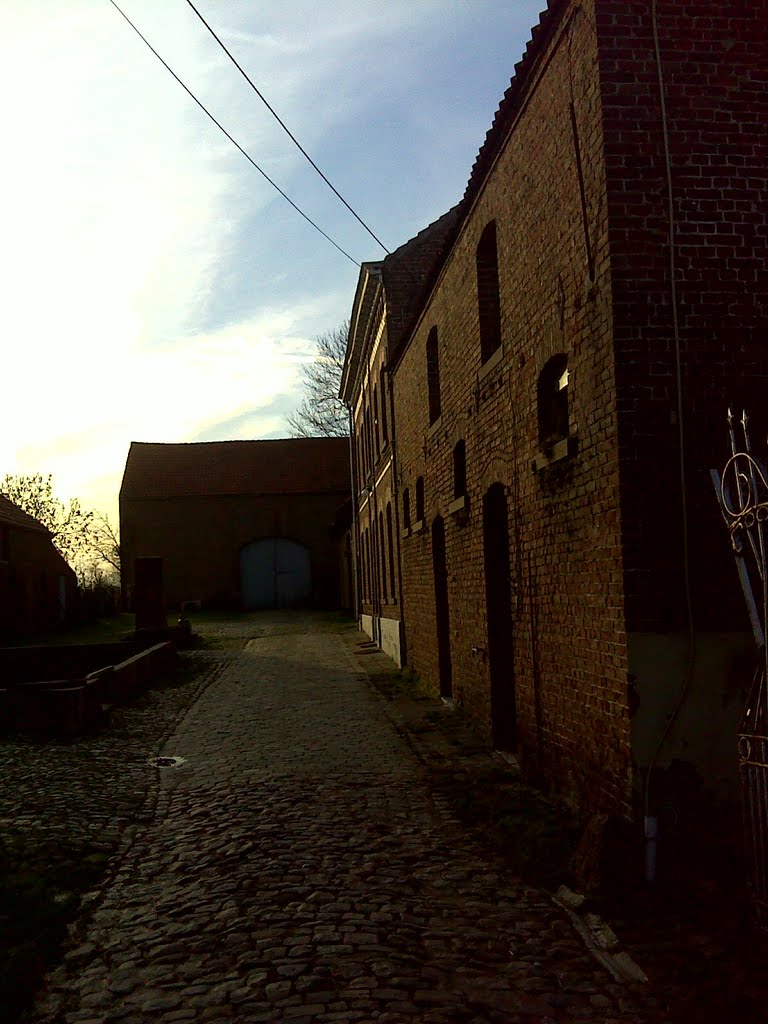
x=154 y=287
x=254 y=423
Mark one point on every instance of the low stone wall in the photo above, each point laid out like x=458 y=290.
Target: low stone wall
x=62 y=661
x=68 y=707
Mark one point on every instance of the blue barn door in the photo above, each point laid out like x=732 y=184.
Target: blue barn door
x=275 y=573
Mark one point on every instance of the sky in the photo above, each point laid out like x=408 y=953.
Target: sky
x=153 y=286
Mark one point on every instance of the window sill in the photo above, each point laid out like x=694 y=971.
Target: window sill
x=459 y=508
x=418 y=526
x=491 y=363
x=563 y=449
x=435 y=427
x=405 y=532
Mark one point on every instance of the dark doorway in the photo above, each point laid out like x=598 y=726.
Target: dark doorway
x=440 y=566
x=498 y=597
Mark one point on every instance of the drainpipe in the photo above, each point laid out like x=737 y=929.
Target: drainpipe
x=356 y=607
x=376 y=567
x=396 y=503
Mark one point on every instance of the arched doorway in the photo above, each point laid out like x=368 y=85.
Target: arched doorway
x=275 y=573
x=498 y=599
x=440 y=569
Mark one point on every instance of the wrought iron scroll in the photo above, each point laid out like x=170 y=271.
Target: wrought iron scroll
x=742 y=493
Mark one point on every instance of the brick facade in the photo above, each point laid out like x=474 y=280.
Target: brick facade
x=550 y=314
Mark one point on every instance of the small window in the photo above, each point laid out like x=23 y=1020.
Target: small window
x=383 y=390
x=460 y=469
x=376 y=420
x=406 y=509
x=553 y=401
x=433 y=377
x=488 y=302
x=420 y=499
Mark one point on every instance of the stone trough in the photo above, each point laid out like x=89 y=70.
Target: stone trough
x=80 y=688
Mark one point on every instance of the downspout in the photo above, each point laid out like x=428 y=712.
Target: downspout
x=376 y=567
x=396 y=502
x=355 y=522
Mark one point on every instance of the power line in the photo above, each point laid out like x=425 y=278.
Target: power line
x=286 y=129
x=234 y=142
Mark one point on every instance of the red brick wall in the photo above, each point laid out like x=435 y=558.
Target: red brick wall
x=715 y=62
x=569 y=642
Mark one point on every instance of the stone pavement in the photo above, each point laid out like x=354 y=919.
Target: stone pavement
x=295 y=868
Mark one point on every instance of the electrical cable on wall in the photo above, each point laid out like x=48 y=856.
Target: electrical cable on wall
x=688 y=678
x=287 y=130
x=234 y=142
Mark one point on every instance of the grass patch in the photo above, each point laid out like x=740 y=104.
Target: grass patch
x=41 y=885
x=535 y=835
x=103 y=631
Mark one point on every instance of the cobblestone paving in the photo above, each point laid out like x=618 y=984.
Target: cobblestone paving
x=296 y=869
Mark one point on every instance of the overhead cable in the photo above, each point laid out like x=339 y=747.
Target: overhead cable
x=287 y=130
x=234 y=142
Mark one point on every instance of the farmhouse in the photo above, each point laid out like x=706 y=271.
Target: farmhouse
x=559 y=396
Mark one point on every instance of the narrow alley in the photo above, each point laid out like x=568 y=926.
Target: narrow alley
x=294 y=867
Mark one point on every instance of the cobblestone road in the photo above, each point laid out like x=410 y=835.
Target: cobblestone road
x=295 y=868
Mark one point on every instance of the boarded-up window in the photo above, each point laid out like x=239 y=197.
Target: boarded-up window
x=420 y=499
x=488 y=302
x=433 y=376
x=460 y=469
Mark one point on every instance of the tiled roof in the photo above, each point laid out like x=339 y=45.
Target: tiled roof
x=494 y=141
x=12 y=515
x=497 y=133
x=306 y=465
x=410 y=269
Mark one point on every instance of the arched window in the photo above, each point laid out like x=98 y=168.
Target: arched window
x=382 y=557
x=460 y=469
x=488 y=302
x=383 y=390
x=433 y=377
x=369 y=565
x=363 y=573
x=391 y=551
x=376 y=420
x=420 y=499
x=552 y=400
x=406 y=509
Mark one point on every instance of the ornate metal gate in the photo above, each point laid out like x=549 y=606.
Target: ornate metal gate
x=743 y=495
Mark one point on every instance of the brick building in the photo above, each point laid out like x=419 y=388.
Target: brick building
x=385 y=302
x=604 y=286
x=37 y=586
x=237 y=523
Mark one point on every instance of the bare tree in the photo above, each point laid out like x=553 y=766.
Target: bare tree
x=70 y=525
x=103 y=560
x=321 y=412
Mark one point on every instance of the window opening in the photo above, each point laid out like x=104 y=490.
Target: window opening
x=553 y=401
x=433 y=376
x=420 y=499
x=488 y=302
x=460 y=469
x=391 y=550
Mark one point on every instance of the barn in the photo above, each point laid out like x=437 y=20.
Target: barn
x=238 y=524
